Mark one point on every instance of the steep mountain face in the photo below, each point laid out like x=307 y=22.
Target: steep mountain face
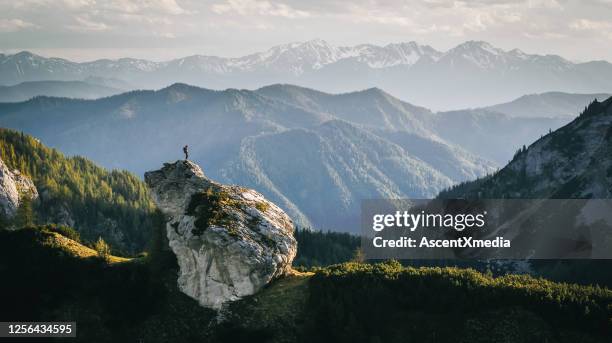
x=572 y=162
x=229 y=241
x=66 y=89
x=550 y=104
x=14 y=188
x=473 y=74
x=305 y=150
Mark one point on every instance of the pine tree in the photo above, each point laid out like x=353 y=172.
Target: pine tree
x=103 y=249
x=359 y=256
x=25 y=214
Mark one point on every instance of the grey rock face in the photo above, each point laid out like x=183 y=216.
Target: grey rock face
x=14 y=187
x=229 y=241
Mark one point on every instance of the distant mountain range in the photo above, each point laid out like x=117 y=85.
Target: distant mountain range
x=306 y=150
x=62 y=89
x=550 y=104
x=544 y=105
x=473 y=74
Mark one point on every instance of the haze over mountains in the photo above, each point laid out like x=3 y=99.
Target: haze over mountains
x=473 y=74
x=62 y=89
x=306 y=150
x=550 y=104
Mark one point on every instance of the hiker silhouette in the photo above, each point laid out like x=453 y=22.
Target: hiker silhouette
x=186 y=151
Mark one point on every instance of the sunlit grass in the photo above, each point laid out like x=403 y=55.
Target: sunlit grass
x=77 y=249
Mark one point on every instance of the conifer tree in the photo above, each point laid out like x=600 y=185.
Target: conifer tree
x=25 y=214
x=103 y=249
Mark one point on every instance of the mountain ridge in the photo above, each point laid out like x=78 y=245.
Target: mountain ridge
x=67 y=89
x=324 y=52
x=414 y=72
x=549 y=104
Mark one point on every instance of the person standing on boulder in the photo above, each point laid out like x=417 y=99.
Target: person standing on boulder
x=186 y=151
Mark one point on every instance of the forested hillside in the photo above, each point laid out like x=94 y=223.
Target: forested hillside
x=75 y=192
x=318 y=248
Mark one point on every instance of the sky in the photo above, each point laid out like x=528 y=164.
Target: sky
x=84 y=30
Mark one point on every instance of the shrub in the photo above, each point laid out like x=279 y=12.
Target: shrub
x=103 y=249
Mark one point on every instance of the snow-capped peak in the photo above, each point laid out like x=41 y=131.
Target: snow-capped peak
x=299 y=57
x=482 y=55
x=477 y=46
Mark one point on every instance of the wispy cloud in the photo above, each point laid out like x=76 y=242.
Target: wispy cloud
x=259 y=7
x=591 y=25
x=14 y=25
x=83 y=23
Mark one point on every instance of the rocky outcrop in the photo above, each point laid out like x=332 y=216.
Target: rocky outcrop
x=229 y=241
x=14 y=187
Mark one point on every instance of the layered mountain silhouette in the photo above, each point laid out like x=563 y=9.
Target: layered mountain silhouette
x=473 y=74
x=549 y=104
x=67 y=89
x=306 y=150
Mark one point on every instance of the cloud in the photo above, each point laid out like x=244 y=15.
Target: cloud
x=549 y=4
x=74 y=4
x=591 y=25
x=86 y=24
x=14 y=25
x=258 y=7
x=598 y=28
x=142 y=6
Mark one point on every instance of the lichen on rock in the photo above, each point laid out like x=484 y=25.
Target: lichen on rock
x=229 y=241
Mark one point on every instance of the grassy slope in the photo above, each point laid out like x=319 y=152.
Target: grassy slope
x=54 y=278
x=76 y=249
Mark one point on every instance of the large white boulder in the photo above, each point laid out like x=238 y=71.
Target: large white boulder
x=229 y=241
